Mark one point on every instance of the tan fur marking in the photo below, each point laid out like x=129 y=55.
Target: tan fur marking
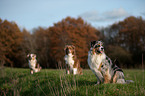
x=106 y=77
x=100 y=67
x=77 y=65
x=93 y=51
x=114 y=78
x=80 y=71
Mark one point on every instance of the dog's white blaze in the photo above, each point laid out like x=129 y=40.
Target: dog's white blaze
x=69 y=60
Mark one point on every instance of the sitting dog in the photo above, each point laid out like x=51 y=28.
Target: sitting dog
x=102 y=66
x=72 y=63
x=33 y=65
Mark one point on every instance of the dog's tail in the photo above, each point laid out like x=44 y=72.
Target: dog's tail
x=129 y=81
x=122 y=81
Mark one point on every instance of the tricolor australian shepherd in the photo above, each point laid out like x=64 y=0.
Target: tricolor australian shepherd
x=33 y=65
x=72 y=63
x=102 y=66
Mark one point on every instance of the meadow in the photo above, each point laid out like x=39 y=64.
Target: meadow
x=54 y=82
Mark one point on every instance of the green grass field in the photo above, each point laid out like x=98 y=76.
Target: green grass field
x=54 y=82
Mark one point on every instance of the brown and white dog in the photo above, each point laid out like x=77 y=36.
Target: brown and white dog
x=33 y=65
x=72 y=63
x=102 y=66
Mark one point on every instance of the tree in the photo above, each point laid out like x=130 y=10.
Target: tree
x=10 y=40
x=71 y=31
x=132 y=36
x=119 y=54
x=128 y=34
x=42 y=43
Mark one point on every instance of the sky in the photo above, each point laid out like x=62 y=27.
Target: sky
x=30 y=14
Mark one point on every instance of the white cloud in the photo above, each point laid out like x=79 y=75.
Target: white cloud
x=116 y=13
x=91 y=15
x=94 y=16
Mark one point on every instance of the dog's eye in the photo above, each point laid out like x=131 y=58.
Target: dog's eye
x=96 y=46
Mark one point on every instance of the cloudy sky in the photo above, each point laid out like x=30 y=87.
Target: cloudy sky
x=30 y=14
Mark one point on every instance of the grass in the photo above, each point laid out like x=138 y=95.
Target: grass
x=54 y=82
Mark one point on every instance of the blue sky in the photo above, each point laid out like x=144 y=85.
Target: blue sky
x=30 y=14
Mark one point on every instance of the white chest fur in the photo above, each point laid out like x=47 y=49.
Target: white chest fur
x=32 y=63
x=69 y=60
x=94 y=60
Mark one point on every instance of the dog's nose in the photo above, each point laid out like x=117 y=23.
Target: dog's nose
x=102 y=48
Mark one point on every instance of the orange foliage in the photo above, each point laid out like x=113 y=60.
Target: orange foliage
x=127 y=37
x=71 y=31
x=10 y=41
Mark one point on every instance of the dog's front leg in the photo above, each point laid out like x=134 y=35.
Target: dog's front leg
x=67 y=69
x=99 y=76
x=74 y=71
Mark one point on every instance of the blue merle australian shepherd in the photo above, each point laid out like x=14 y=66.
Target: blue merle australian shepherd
x=102 y=66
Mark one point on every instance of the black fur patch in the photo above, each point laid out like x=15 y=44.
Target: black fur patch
x=108 y=59
x=93 y=43
x=117 y=69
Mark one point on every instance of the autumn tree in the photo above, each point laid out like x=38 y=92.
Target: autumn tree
x=71 y=31
x=10 y=43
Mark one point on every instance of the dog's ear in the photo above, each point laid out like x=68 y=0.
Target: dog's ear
x=100 y=42
x=28 y=55
x=35 y=55
x=73 y=46
x=93 y=43
x=65 y=47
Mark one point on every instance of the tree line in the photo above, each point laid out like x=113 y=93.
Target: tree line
x=124 y=42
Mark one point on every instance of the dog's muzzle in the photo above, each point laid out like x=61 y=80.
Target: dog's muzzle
x=101 y=49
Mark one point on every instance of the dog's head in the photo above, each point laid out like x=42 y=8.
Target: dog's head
x=69 y=49
x=97 y=47
x=31 y=56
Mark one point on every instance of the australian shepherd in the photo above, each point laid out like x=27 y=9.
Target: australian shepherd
x=102 y=66
x=33 y=65
x=71 y=61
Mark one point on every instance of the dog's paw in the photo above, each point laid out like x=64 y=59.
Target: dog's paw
x=121 y=81
x=98 y=83
x=31 y=71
